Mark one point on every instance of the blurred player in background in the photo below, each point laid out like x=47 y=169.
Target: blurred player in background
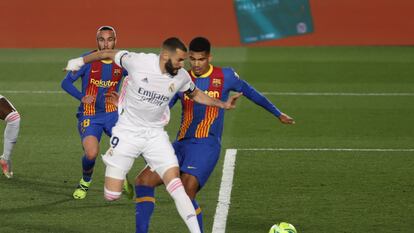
x=153 y=80
x=12 y=118
x=97 y=112
x=198 y=142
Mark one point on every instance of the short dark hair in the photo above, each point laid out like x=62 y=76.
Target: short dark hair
x=200 y=44
x=173 y=43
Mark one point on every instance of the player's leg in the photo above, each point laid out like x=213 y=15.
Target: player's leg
x=119 y=158
x=90 y=130
x=110 y=121
x=160 y=156
x=197 y=162
x=12 y=118
x=145 y=184
x=91 y=148
x=191 y=187
x=114 y=180
x=182 y=202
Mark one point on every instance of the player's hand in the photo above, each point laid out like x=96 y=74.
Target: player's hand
x=112 y=97
x=231 y=102
x=74 y=64
x=88 y=99
x=285 y=119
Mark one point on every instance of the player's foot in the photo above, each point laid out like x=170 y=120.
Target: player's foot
x=82 y=189
x=6 y=168
x=128 y=189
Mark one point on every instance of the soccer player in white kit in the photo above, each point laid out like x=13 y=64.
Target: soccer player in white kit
x=153 y=81
x=9 y=114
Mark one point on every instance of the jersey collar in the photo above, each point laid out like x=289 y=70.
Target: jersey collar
x=106 y=61
x=205 y=75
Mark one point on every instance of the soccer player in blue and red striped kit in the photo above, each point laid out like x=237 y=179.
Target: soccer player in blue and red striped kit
x=198 y=141
x=97 y=112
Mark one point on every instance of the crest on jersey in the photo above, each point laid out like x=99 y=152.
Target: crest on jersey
x=171 y=88
x=216 y=82
x=117 y=72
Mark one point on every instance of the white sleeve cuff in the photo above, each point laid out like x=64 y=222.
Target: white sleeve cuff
x=118 y=57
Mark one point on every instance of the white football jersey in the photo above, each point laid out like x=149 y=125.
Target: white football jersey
x=148 y=91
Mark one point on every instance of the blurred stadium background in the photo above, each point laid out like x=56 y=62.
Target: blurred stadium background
x=346 y=166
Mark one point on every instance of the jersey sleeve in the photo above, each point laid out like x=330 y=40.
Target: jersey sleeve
x=239 y=85
x=232 y=80
x=67 y=83
x=123 y=59
x=188 y=85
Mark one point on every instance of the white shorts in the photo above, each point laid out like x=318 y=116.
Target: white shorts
x=127 y=145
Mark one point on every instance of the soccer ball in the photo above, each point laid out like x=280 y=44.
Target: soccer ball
x=283 y=227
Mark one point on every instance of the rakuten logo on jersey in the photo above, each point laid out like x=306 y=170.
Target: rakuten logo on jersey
x=105 y=84
x=152 y=97
x=212 y=94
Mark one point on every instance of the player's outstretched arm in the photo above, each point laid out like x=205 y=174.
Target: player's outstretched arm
x=76 y=63
x=200 y=97
x=100 y=55
x=259 y=99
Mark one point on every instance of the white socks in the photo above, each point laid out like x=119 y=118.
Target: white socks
x=111 y=195
x=183 y=203
x=10 y=133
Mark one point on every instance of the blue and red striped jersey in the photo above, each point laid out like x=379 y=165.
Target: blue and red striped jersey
x=199 y=121
x=98 y=78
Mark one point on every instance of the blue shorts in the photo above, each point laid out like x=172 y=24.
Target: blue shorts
x=95 y=125
x=197 y=158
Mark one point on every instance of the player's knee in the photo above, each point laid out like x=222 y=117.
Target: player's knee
x=142 y=180
x=91 y=153
x=111 y=195
x=147 y=181
x=113 y=179
x=90 y=146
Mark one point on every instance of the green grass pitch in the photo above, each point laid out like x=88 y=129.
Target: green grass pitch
x=317 y=191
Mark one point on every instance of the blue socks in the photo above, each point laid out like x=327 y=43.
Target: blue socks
x=87 y=167
x=144 y=206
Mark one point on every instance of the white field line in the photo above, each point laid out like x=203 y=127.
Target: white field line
x=30 y=92
x=222 y=210
x=332 y=149
x=264 y=93
x=223 y=205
